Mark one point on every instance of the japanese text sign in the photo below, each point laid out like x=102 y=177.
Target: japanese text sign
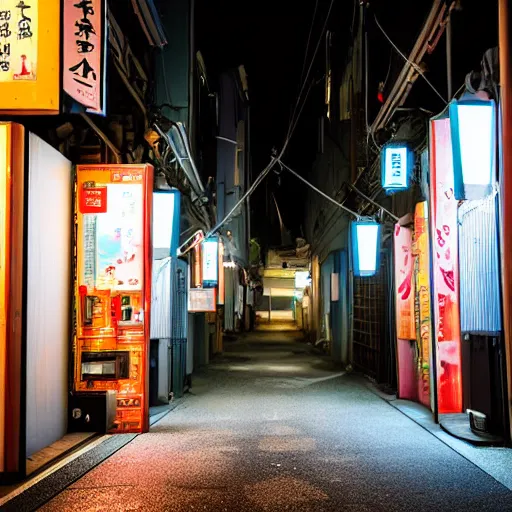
x=396 y=165
x=18 y=39
x=93 y=200
x=84 y=52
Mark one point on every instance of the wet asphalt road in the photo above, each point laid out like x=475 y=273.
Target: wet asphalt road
x=271 y=426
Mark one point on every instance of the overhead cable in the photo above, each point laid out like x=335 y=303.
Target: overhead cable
x=323 y=194
x=291 y=128
x=415 y=66
x=364 y=196
x=309 y=70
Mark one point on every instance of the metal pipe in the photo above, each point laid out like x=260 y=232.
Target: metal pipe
x=449 y=56
x=423 y=43
x=505 y=43
x=104 y=138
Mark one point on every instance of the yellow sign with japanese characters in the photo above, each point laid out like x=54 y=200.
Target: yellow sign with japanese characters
x=30 y=56
x=18 y=40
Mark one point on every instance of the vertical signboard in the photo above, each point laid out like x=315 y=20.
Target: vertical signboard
x=84 y=40
x=29 y=56
x=445 y=268
x=405 y=326
x=422 y=303
x=404 y=265
x=210 y=257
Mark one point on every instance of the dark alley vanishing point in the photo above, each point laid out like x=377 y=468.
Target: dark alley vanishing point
x=271 y=426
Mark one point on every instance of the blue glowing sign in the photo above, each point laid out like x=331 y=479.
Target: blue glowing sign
x=166 y=223
x=397 y=161
x=365 y=248
x=473 y=129
x=210 y=262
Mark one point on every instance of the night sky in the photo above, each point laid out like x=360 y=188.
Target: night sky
x=270 y=38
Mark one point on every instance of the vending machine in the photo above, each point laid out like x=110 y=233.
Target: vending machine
x=113 y=252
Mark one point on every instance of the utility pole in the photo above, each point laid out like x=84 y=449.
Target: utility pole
x=505 y=44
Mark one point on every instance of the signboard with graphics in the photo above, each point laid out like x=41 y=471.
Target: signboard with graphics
x=84 y=40
x=445 y=269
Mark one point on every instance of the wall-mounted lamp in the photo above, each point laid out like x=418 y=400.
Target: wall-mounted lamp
x=365 y=247
x=473 y=130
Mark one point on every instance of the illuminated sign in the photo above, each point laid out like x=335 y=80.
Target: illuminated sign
x=473 y=144
x=396 y=166
x=210 y=262
x=18 y=40
x=365 y=248
x=84 y=43
x=166 y=218
x=445 y=269
x=302 y=279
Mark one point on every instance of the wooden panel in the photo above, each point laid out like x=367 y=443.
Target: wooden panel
x=57 y=449
x=14 y=389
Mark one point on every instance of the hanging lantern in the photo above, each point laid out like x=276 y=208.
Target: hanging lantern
x=397 y=162
x=365 y=247
x=473 y=130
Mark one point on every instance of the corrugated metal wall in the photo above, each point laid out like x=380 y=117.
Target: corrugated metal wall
x=161 y=299
x=479 y=267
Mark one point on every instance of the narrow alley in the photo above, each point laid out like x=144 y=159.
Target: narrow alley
x=271 y=425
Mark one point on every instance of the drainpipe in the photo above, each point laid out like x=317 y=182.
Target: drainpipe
x=449 y=56
x=505 y=44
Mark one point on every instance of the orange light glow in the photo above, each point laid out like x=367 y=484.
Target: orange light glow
x=4 y=150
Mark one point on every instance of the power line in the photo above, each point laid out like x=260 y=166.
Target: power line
x=310 y=66
x=291 y=127
x=323 y=194
x=415 y=66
